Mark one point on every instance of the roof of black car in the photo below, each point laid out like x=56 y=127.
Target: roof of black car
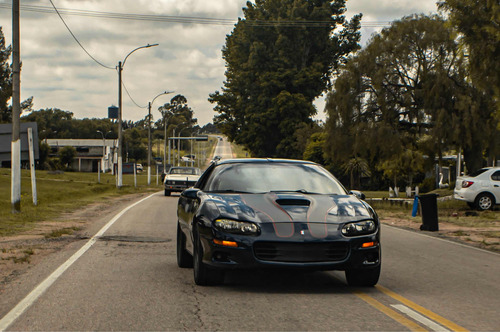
x=262 y=160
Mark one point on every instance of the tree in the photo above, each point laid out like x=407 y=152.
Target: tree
x=410 y=81
x=66 y=156
x=5 y=80
x=479 y=24
x=6 y=84
x=178 y=114
x=356 y=168
x=314 y=150
x=279 y=58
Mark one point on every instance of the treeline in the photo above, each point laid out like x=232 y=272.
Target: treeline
x=56 y=123
x=423 y=88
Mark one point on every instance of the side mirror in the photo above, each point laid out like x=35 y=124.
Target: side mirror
x=191 y=193
x=358 y=194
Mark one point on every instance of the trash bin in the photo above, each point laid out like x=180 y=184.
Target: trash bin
x=428 y=203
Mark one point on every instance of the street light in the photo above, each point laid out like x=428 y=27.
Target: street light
x=149 y=134
x=178 y=148
x=165 y=139
x=120 y=68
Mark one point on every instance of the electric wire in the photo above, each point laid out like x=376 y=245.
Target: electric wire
x=76 y=39
x=126 y=90
x=188 y=19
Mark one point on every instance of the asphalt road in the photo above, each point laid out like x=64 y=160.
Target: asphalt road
x=126 y=278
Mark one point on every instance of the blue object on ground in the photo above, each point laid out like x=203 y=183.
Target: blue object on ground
x=415 y=207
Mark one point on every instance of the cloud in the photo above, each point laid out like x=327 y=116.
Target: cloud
x=58 y=73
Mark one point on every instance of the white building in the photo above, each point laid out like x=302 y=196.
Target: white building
x=90 y=153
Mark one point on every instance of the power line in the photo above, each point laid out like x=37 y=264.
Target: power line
x=186 y=19
x=76 y=39
x=123 y=84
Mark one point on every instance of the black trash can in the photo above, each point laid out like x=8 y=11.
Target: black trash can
x=428 y=203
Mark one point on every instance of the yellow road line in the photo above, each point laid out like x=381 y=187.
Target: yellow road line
x=422 y=310
x=389 y=312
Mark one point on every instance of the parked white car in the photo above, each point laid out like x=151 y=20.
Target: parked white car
x=481 y=189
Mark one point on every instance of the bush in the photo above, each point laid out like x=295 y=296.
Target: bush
x=427 y=185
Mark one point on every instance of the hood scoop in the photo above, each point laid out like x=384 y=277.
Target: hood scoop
x=293 y=202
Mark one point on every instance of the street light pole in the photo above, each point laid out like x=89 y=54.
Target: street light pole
x=149 y=133
x=119 y=182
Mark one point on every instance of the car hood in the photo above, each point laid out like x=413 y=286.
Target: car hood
x=286 y=208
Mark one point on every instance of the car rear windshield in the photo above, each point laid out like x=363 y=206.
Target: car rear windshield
x=478 y=172
x=273 y=177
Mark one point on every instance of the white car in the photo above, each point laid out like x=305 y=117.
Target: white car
x=180 y=178
x=480 y=189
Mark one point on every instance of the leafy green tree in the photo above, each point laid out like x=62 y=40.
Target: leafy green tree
x=6 y=84
x=279 y=58
x=66 y=156
x=356 y=168
x=410 y=81
x=5 y=79
x=178 y=115
x=314 y=150
x=479 y=24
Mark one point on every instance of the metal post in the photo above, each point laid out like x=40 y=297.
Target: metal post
x=16 y=112
x=32 y=166
x=119 y=183
x=149 y=144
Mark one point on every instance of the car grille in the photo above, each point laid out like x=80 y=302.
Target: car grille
x=181 y=183
x=298 y=252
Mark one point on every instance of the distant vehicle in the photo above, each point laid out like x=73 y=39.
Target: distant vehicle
x=188 y=158
x=275 y=213
x=481 y=189
x=179 y=178
x=139 y=168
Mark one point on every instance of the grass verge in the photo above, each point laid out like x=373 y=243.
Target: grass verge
x=60 y=193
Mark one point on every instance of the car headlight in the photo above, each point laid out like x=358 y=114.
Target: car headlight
x=359 y=228
x=237 y=227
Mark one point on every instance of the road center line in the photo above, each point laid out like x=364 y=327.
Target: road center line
x=426 y=312
x=419 y=318
x=22 y=306
x=389 y=312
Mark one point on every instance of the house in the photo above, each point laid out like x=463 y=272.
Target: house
x=90 y=153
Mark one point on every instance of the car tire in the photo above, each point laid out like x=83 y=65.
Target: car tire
x=184 y=258
x=203 y=274
x=484 y=202
x=167 y=192
x=362 y=277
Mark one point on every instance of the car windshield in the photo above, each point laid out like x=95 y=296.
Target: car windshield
x=273 y=177
x=185 y=170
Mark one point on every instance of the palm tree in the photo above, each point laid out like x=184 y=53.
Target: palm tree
x=356 y=166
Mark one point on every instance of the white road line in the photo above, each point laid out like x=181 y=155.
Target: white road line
x=443 y=240
x=21 y=307
x=419 y=318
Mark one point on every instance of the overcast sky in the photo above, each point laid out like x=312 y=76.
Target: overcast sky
x=59 y=74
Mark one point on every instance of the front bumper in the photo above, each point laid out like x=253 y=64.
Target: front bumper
x=178 y=185
x=301 y=251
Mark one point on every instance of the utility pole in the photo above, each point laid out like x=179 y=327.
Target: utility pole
x=16 y=112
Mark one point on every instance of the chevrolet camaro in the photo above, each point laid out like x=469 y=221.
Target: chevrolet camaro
x=275 y=213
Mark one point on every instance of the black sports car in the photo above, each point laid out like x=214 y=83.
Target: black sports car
x=259 y=213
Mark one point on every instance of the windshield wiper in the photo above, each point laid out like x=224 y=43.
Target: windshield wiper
x=225 y=191
x=302 y=191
